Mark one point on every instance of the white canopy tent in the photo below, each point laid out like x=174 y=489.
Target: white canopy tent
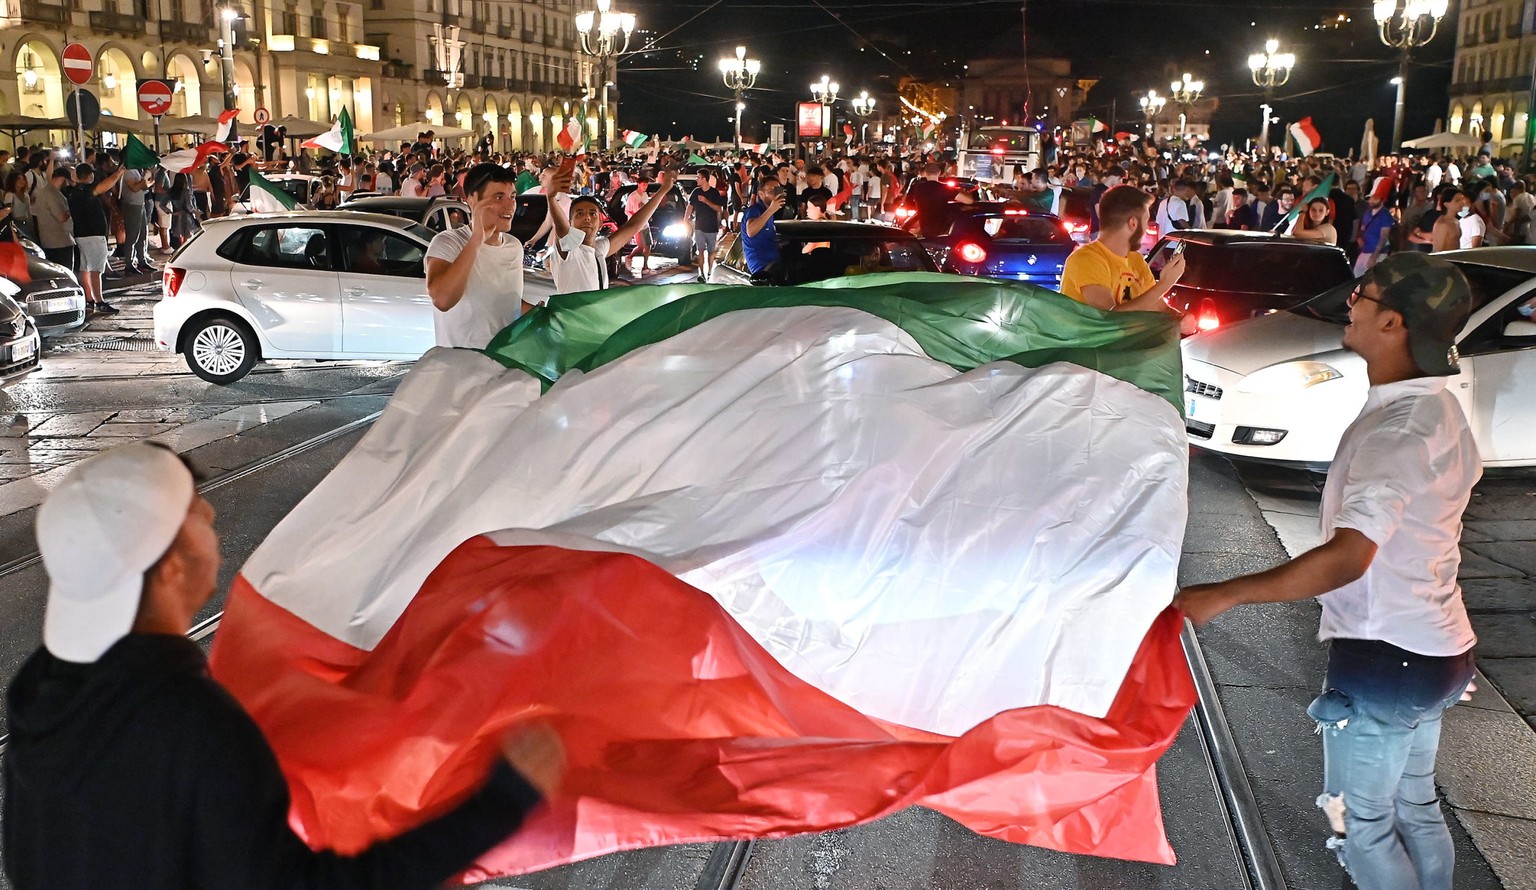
x=407 y=132
x=1444 y=140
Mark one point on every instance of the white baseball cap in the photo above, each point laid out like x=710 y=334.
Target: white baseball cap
x=99 y=531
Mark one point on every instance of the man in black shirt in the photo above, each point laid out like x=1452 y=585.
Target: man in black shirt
x=705 y=204
x=129 y=766
x=815 y=191
x=89 y=213
x=930 y=199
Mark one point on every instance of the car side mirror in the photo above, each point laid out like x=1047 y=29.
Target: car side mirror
x=1520 y=329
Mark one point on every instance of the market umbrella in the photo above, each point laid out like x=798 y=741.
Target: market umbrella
x=191 y=125
x=13 y=125
x=300 y=128
x=112 y=123
x=407 y=132
x=1368 y=142
x=1444 y=140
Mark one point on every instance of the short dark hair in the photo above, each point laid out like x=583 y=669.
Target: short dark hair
x=482 y=175
x=586 y=199
x=1120 y=203
x=84 y=170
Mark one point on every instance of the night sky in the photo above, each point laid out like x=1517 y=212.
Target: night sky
x=1341 y=78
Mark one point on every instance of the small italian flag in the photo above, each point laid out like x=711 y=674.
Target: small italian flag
x=633 y=139
x=928 y=129
x=1097 y=126
x=1307 y=138
x=571 y=135
x=339 y=138
x=266 y=197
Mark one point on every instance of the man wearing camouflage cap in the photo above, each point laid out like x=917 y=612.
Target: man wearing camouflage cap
x=1400 y=644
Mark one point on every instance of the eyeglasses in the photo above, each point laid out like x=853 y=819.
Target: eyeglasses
x=1358 y=294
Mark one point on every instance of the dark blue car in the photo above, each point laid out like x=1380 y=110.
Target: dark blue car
x=995 y=240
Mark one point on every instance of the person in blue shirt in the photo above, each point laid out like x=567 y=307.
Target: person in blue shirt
x=758 y=239
x=1375 y=238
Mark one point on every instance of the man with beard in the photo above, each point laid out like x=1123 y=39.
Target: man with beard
x=1108 y=273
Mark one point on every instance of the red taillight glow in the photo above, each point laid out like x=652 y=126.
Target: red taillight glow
x=1153 y=230
x=1012 y=212
x=170 y=280
x=997 y=151
x=905 y=212
x=1077 y=228
x=1208 y=319
x=972 y=253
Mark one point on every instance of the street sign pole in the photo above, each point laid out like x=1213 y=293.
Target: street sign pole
x=157 y=134
x=79 y=130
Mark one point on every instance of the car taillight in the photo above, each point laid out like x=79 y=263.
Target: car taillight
x=997 y=151
x=1153 y=230
x=1208 y=319
x=904 y=212
x=170 y=280
x=972 y=253
x=1076 y=228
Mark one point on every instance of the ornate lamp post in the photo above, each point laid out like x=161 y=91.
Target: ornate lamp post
x=605 y=37
x=864 y=107
x=1406 y=26
x=1151 y=106
x=825 y=92
x=1185 y=93
x=739 y=74
x=1270 y=68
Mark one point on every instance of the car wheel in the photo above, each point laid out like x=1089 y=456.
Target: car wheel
x=221 y=350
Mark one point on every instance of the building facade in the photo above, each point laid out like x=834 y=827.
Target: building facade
x=1491 y=74
x=511 y=68
x=1002 y=91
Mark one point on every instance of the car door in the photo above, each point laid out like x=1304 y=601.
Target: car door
x=283 y=276
x=1499 y=370
x=386 y=311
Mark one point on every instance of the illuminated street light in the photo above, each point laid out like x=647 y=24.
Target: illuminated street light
x=1185 y=92
x=739 y=74
x=605 y=37
x=1151 y=106
x=1270 y=68
x=1406 y=25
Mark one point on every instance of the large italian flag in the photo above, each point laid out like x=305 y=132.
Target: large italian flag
x=771 y=560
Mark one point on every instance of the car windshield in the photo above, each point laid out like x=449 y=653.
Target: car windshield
x=809 y=260
x=1255 y=268
x=1010 y=143
x=1487 y=282
x=1024 y=230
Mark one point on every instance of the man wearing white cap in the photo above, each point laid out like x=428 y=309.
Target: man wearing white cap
x=129 y=766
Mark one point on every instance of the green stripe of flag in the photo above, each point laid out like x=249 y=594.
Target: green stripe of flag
x=962 y=322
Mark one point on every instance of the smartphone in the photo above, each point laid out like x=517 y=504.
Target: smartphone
x=567 y=165
x=1178 y=248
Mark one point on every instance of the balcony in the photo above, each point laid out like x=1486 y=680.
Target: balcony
x=492 y=82
x=504 y=31
x=399 y=70
x=117 y=23
x=471 y=81
x=432 y=77
x=530 y=35
x=188 y=32
x=45 y=13
x=477 y=26
x=517 y=85
x=1513 y=31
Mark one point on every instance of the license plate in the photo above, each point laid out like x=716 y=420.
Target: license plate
x=1191 y=412
x=24 y=350
x=57 y=304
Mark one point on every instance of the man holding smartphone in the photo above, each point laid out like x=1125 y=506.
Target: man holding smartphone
x=759 y=240
x=1108 y=273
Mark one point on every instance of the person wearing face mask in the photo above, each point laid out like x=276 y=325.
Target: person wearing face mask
x=1470 y=227
x=475 y=272
x=1108 y=273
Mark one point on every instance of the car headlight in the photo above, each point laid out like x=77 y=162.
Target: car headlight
x=1288 y=377
x=674 y=231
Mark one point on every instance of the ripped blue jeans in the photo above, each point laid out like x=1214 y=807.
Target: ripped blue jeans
x=1379 y=716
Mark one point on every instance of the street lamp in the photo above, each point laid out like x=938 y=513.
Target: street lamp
x=605 y=37
x=227 y=19
x=739 y=74
x=1270 y=68
x=825 y=92
x=1185 y=93
x=1405 y=30
x=864 y=107
x=1151 y=106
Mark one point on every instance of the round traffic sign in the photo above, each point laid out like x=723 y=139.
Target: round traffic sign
x=83 y=108
x=155 y=97
x=77 y=63
x=261 y=116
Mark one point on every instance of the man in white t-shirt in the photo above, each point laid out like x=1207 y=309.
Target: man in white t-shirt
x=579 y=260
x=475 y=272
x=1471 y=225
x=1400 y=642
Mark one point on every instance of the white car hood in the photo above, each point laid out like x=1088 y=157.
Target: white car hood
x=1251 y=344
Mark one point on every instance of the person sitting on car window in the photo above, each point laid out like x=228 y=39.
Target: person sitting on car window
x=1317 y=223
x=759 y=240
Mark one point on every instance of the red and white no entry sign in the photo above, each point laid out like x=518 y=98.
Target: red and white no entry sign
x=77 y=63
x=155 y=97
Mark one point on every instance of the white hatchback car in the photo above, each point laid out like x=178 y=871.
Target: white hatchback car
x=300 y=285
x=1282 y=388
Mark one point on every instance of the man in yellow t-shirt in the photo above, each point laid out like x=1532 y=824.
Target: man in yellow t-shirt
x=1109 y=273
